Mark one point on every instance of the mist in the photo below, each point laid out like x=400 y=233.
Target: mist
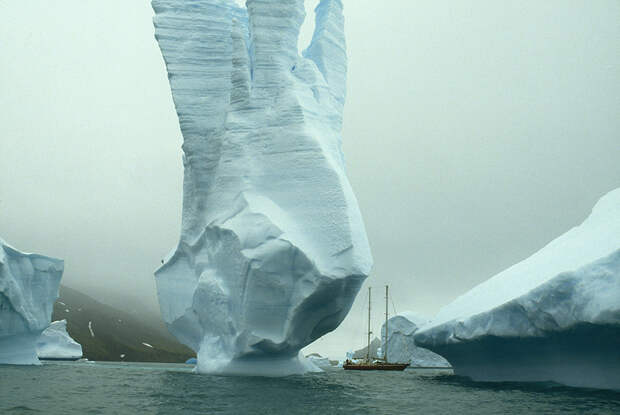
x=475 y=133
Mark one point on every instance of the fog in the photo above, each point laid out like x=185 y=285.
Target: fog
x=475 y=133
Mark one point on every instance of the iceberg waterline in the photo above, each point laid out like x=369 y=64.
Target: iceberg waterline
x=273 y=248
x=552 y=317
x=28 y=288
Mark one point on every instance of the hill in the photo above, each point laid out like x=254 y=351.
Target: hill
x=109 y=334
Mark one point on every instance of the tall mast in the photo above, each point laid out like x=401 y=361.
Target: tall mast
x=368 y=348
x=385 y=355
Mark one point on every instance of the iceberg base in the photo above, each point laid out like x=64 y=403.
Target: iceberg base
x=257 y=366
x=19 y=349
x=582 y=356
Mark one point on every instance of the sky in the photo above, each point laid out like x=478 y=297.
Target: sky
x=475 y=133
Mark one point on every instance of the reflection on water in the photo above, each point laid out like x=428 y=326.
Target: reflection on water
x=130 y=388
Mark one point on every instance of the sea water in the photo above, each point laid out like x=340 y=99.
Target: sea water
x=135 y=388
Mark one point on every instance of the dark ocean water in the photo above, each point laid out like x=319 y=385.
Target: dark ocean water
x=105 y=388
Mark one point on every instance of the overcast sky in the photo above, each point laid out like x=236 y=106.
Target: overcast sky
x=475 y=132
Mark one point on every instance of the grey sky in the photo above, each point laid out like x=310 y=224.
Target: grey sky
x=475 y=132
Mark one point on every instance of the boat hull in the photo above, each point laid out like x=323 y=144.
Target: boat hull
x=379 y=366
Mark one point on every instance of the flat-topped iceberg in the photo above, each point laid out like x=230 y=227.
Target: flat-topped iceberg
x=56 y=344
x=401 y=347
x=552 y=317
x=273 y=249
x=28 y=288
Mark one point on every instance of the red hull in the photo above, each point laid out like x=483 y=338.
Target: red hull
x=378 y=366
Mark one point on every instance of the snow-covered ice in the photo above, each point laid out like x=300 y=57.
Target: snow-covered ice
x=401 y=347
x=273 y=249
x=553 y=317
x=28 y=288
x=55 y=343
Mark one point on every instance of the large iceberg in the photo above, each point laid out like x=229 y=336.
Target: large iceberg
x=28 y=288
x=552 y=317
x=401 y=347
x=56 y=344
x=273 y=249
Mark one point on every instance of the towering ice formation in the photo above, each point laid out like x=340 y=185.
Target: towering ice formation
x=56 y=344
x=552 y=317
x=28 y=288
x=273 y=248
x=401 y=345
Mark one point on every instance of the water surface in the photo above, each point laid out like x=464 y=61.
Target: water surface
x=135 y=388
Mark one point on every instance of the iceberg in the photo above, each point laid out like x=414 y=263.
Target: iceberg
x=401 y=347
x=553 y=317
x=28 y=288
x=375 y=346
x=319 y=361
x=56 y=344
x=273 y=249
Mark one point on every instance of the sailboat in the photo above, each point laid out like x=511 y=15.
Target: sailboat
x=375 y=364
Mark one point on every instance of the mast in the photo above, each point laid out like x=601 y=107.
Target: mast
x=368 y=348
x=385 y=351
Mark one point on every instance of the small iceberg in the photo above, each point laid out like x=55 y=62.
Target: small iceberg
x=319 y=361
x=401 y=346
x=28 y=288
x=56 y=344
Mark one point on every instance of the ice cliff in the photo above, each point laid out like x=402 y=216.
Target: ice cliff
x=55 y=343
x=553 y=317
x=272 y=249
x=28 y=288
x=401 y=345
